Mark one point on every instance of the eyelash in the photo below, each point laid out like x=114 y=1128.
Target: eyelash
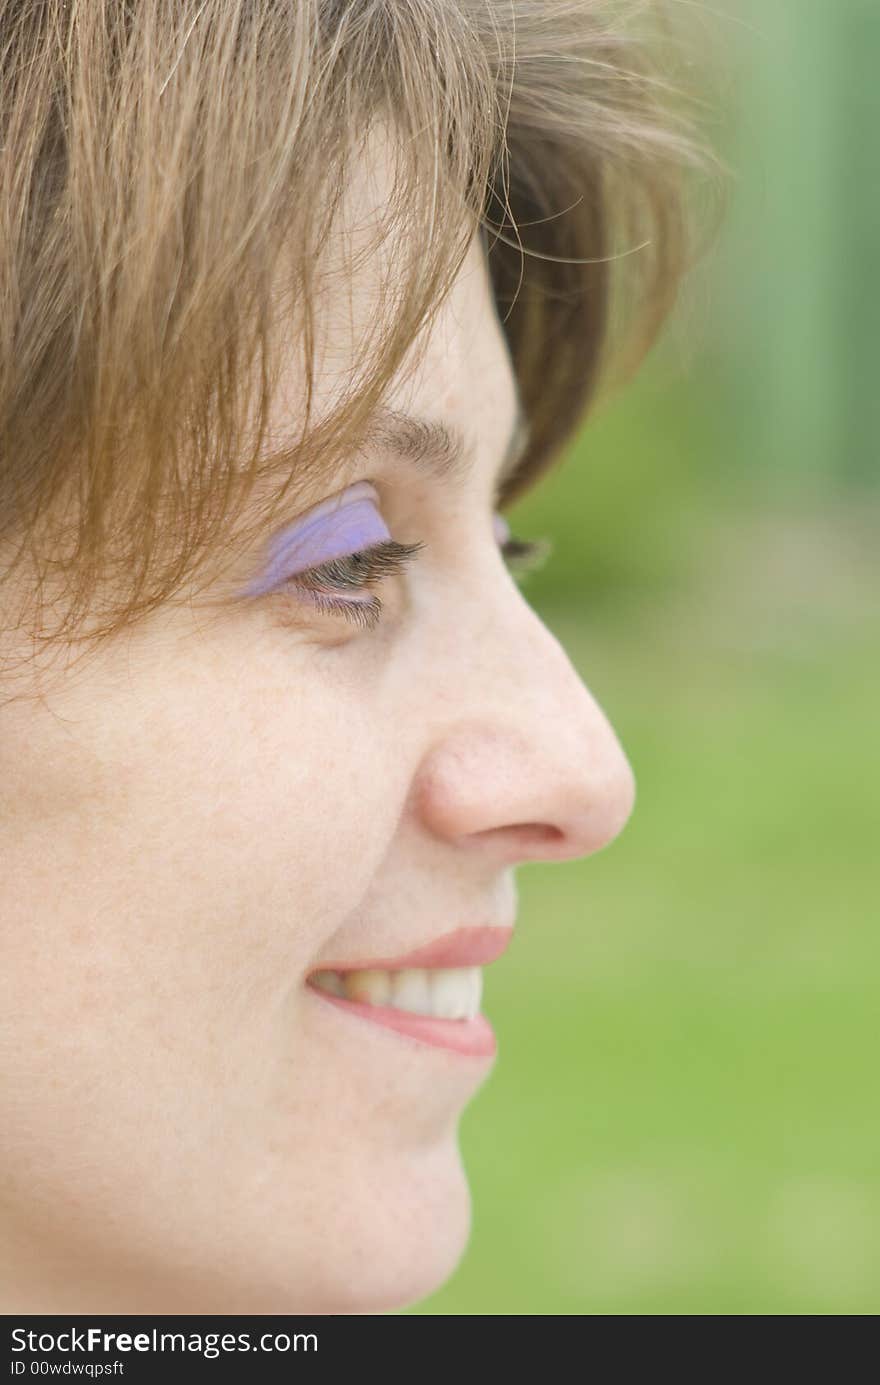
x=355 y=571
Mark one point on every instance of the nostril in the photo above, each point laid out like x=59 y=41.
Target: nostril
x=527 y=839
x=537 y=833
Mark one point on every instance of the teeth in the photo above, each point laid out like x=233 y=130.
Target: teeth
x=476 y=989
x=411 y=990
x=369 y=987
x=449 y=993
x=329 y=981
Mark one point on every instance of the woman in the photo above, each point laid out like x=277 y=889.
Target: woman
x=297 y=298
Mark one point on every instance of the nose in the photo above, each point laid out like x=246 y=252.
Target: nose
x=525 y=765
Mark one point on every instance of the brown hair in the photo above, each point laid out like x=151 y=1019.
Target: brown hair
x=163 y=163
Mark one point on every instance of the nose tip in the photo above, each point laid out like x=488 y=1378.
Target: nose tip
x=588 y=803
x=536 y=771
x=612 y=802
x=585 y=783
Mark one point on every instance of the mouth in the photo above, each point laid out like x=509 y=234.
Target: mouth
x=431 y=994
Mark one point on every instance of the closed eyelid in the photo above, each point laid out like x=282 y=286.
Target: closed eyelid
x=336 y=527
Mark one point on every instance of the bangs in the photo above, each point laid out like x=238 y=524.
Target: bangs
x=173 y=186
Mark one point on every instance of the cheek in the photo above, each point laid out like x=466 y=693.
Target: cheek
x=203 y=849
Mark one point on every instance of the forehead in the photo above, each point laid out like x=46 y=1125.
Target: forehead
x=458 y=371
x=461 y=372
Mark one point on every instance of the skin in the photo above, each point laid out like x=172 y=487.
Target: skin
x=218 y=803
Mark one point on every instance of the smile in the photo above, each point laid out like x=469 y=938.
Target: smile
x=446 y=993
x=431 y=994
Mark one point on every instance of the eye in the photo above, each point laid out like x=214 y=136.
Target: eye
x=526 y=555
x=521 y=555
x=342 y=585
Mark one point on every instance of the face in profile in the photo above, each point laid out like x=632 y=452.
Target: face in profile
x=254 y=865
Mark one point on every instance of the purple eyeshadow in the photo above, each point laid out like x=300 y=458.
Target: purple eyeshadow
x=334 y=529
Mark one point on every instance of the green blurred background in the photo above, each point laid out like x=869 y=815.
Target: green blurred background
x=684 y=1114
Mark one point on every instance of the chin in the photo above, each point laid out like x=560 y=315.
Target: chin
x=386 y=1246
x=382 y=1238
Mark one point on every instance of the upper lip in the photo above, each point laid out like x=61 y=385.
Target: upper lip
x=463 y=947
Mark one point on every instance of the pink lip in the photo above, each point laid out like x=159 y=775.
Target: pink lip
x=475 y=1037
x=464 y=947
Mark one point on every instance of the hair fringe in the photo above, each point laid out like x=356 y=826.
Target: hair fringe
x=171 y=179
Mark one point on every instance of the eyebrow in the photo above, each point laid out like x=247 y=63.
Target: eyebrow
x=439 y=450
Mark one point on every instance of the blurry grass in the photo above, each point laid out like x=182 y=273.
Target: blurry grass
x=683 y=1118
x=684 y=1113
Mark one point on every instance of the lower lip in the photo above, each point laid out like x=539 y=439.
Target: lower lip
x=475 y=1038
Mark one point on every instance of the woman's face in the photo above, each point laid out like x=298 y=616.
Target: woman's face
x=211 y=810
